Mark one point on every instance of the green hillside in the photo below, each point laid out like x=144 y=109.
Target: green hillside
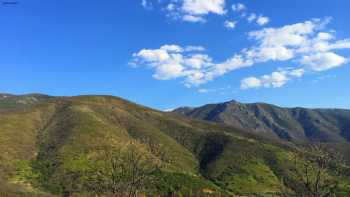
x=68 y=146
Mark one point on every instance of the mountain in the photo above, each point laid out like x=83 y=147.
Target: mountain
x=62 y=146
x=291 y=124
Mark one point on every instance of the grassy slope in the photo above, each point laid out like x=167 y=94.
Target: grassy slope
x=43 y=140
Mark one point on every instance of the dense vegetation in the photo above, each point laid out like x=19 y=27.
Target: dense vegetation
x=106 y=146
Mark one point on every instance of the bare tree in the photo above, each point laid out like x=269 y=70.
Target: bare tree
x=124 y=171
x=316 y=172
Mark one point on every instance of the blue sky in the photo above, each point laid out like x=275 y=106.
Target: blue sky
x=166 y=53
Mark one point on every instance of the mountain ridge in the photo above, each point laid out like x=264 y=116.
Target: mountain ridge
x=262 y=103
x=284 y=123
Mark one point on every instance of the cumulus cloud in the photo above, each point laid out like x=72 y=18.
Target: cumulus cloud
x=262 y=20
x=341 y=44
x=189 y=63
x=289 y=35
x=250 y=82
x=286 y=42
x=322 y=61
x=195 y=10
x=306 y=43
x=173 y=61
x=171 y=48
x=276 y=79
x=200 y=7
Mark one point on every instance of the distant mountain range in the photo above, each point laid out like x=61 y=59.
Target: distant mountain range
x=50 y=145
x=291 y=124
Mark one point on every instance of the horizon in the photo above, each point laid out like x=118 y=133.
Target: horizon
x=171 y=109
x=169 y=54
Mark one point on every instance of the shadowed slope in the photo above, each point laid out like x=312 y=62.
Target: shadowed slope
x=292 y=124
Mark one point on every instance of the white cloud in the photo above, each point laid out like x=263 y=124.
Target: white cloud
x=200 y=7
x=221 y=90
x=323 y=44
x=171 y=48
x=306 y=43
x=193 y=19
x=250 y=82
x=195 y=11
x=322 y=61
x=153 y=55
x=289 y=35
x=169 y=70
x=234 y=63
x=341 y=44
x=284 y=43
x=198 y=61
x=230 y=24
x=172 y=61
x=266 y=53
x=262 y=20
x=194 y=48
x=324 y=36
x=251 y=17
x=276 y=79
x=238 y=7
x=171 y=7
x=297 y=72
